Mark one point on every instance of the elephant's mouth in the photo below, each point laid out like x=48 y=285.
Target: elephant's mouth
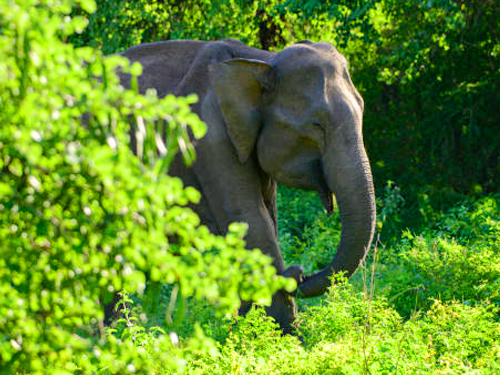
x=325 y=194
x=327 y=200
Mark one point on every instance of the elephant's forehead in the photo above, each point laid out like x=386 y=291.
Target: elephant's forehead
x=309 y=75
x=311 y=81
x=296 y=104
x=302 y=62
x=305 y=86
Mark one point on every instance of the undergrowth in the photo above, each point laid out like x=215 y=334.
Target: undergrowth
x=348 y=333
x=428 y=303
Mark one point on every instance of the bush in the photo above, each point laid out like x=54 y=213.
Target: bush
x=307 y=234
x=458 y=259
x=352 y=333
x=81 y=217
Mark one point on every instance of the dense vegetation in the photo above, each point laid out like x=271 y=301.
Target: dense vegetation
x=82 y=217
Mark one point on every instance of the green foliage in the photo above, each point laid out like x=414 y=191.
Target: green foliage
x=457 y=260
x=473 y=222
x=119 y=25
x=81 y=217
x=134 y=348
x=307 y=234
x=268 y=24
x=415 y=322
x=389 y=203
x=252 y=344
x=432 y=77
x=352 y=333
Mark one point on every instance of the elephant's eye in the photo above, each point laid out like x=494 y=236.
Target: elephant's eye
x=317 y=124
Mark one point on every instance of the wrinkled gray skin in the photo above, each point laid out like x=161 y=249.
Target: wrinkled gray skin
x=292 y=117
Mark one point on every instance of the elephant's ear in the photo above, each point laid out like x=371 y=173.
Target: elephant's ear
x=238 y=86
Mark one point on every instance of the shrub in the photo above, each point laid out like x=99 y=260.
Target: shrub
x=352 y=333
x=81 y=217
x=455 y=259
x=307 y=234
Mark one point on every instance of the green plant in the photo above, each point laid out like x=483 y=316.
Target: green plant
x=81 y=217
x=267 y=24
x=454 y=259
x=448 y=338
x=307 y=234
x=428 y=82
x=388 y=212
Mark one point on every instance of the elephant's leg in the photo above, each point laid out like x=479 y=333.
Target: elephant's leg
x=228 y=207
x=261 y=235
x=282 y=302
x=240 y=192
x=283 y=309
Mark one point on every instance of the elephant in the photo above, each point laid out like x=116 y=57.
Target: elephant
x=292 y=117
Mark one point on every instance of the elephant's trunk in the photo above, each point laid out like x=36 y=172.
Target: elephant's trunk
x=349 y=178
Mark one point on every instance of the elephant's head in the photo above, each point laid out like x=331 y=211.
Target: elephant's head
x=302 y=117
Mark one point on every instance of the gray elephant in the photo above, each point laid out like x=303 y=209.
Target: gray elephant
x=292 y=117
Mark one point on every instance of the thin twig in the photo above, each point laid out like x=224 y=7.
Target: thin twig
x=369 y=296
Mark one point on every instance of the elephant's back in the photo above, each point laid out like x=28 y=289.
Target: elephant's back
x=180 y=67
x=164 y=63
